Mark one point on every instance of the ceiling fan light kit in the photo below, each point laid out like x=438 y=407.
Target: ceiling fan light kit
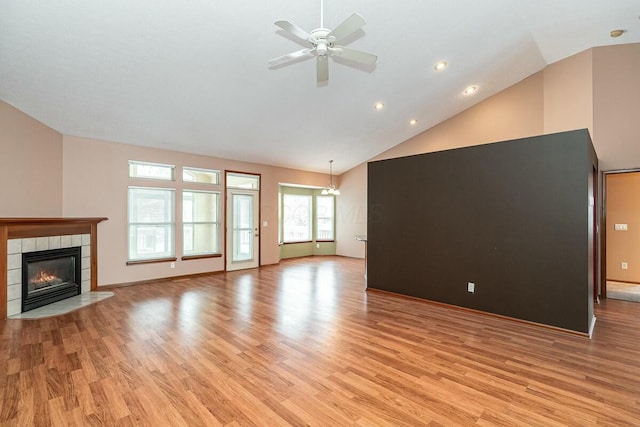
x=322 y=43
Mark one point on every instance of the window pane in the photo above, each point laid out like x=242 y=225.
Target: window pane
x=324 y=217
x=200 y=222
x=296 y=222
x=200 y=239
x=149 y=242
x=244 y=209
x=150 y=170
x=242 y=227
x=151 y=223
x=150 y=205
x=246 y=182
x=204 y=176
x=242 y=245
x=198 y=206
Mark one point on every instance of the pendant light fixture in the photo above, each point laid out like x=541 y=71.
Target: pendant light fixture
x=331 y=189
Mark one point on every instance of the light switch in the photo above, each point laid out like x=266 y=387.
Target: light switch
x=621 y=227
x=265 y=223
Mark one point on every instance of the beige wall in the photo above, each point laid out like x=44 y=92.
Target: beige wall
x=623 y=207
x=616 y=107
x=513 y=113
x=30 y=166
x=351 y=212
x=95 y=184
x=568 y=94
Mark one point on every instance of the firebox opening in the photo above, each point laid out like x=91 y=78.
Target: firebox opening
x=50 y=276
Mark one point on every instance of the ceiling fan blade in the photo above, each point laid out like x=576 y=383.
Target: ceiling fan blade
x=322 y=67
x=354 y=55
x=294 y=30
x=291 y=56
x=347 y=27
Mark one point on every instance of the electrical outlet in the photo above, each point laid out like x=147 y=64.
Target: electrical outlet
x=624 y=266
x=173 y=265
x=318 y=245
x=471 y=287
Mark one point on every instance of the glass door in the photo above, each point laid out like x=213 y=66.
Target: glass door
x=243 y=236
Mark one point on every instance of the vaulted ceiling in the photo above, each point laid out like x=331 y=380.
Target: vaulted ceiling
x=193 y=75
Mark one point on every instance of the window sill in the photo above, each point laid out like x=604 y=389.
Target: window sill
x=188 y=257
x=151 y=261
x=326 y=241
x=295 y=243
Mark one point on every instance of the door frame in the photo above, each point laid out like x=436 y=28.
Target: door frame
x=226 y=220
x=603 y=233
x=595 y=225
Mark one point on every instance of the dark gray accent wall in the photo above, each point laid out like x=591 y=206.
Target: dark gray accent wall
x=511 y=217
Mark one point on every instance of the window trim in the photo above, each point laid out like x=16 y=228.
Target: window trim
x=298 y=242
x=189 y=257
x=150 y=261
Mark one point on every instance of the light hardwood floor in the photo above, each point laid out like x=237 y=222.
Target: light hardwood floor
x=302 y=343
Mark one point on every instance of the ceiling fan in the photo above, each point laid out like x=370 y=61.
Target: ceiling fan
x=322 y=43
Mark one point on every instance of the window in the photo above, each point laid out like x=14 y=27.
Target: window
x=204 y=176
x=304 y=215
x=324 y=218
x=200 y=223
x=151 y=223
x=243 y=181
x=152 y=213
x=296 y=222
x=151 y=170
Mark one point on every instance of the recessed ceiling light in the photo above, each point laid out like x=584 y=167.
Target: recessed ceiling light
x=413 y=122
x=440 y=66
x=616 y=33
x=470 y=90
x=379 y=106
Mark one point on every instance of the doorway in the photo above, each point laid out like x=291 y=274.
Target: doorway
x=242 y=221
x=622 y=235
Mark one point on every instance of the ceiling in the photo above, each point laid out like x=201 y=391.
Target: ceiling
x=193 y=75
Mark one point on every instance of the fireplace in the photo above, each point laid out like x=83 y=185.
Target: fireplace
x=51 y=275
x=22 y=235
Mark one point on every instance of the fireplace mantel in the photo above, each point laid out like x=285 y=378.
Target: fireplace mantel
x=15 y=228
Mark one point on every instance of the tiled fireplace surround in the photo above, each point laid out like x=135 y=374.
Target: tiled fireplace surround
x=15 y=249
x=22 y=235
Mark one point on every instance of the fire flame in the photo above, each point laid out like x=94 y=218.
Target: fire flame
x=43 y=277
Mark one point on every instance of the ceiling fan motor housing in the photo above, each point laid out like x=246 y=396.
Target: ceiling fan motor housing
x=320 y=40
